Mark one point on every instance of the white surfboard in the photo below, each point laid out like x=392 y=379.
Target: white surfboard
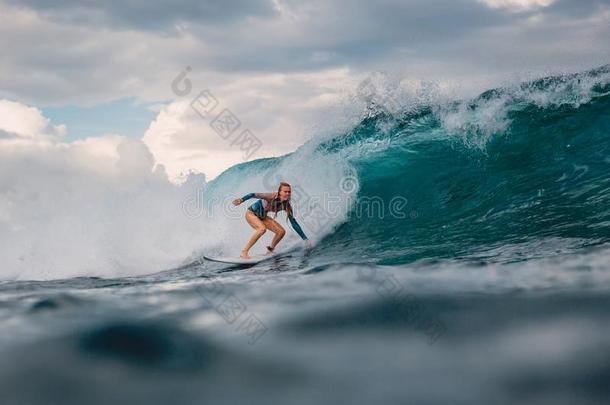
x=238 y=260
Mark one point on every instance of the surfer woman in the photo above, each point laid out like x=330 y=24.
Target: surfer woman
x=256 y=215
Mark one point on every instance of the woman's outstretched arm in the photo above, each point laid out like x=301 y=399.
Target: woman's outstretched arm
x=267 y=196
x=297 y=227
x=248 y=196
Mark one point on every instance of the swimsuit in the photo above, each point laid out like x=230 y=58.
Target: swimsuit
x=258 y=208
x=262 y=206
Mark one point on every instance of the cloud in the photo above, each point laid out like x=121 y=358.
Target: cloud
x=518 y=5
x=274 y=108
x=97 y=52
x=154 y=16
x=21 y=121
x=60 y=64
x=90 y=207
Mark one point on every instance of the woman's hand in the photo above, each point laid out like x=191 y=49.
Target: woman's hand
x=237 y=201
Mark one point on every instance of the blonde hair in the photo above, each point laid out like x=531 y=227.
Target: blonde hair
x=287 y=206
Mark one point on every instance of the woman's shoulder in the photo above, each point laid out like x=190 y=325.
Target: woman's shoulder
x=266 y=196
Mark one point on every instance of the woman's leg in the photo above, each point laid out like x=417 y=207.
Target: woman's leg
x=276 y=228
x=259 y=228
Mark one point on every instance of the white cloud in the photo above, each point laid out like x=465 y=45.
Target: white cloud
x=518 y=5
x=21 y=121
x=276 y=108
x=89 y=207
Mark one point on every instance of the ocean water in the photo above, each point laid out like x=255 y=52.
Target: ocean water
x=460 y=256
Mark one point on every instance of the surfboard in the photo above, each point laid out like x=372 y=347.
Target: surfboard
x=238 y=260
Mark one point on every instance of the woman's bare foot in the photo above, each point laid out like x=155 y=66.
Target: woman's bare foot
x=244 y=254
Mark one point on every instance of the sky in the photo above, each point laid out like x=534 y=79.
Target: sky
x=88 y=76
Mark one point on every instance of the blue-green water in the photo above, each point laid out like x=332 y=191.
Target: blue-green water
x=461 y=256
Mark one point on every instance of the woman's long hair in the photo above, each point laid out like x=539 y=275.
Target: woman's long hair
x=285 y=204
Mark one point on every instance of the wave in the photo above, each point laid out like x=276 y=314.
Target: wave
x=516 y=173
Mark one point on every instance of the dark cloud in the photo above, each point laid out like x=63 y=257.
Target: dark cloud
x=319 y=35
x=335 y=33
x=576 y=9
x=148 y=15
x=241 y=37
x=361 y=33
x=7 y=135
